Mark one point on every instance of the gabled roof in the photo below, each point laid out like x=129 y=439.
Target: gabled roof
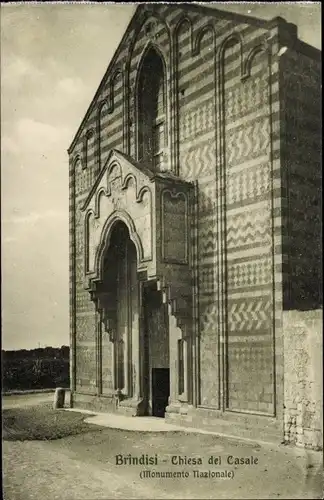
x=150 y=174
x=205 y=10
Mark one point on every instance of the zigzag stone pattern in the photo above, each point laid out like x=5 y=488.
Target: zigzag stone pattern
x=250 y=315
x=251 y=227
x=196 y=160
x=248 y=244
x=248 y=141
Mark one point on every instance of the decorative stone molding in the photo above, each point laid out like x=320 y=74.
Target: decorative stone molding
x=135 y=195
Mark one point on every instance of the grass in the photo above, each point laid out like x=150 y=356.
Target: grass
x=42 y=423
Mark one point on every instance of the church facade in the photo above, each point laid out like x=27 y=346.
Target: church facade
x=195 y=223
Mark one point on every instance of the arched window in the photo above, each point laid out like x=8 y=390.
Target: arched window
x=152 y=110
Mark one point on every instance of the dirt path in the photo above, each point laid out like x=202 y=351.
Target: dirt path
x=51 y=475
x=20 y=400
x=82 y=467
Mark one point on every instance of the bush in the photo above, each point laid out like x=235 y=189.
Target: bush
x=30 y=372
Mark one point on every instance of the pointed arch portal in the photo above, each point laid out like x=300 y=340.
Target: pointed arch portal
x=137 y=270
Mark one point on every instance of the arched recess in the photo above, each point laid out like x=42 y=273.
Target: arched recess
x=183 y=45
x=153 y=27
x=117 y=300
x=246 y=181
x=103 y=134
x=114 y=135
x=152 y=109
x=122 y=217
x=89 y=148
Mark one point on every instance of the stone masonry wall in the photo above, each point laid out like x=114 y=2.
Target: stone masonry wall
x=88 y=156
x=303 y=375
x=302 y=176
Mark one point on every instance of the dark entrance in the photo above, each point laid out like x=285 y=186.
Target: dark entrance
x=160 y=390
x=156 y=354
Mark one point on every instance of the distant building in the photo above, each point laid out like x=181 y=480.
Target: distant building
x=195 y=227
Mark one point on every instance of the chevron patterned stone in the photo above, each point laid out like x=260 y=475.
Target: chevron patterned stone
x=249 y=315
x=245 y=228
x=198 y=161
x=208 y=316
x=248 y=141
x=206 y=243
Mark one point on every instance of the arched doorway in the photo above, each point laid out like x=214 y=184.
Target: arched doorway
x=138 y=323
x=122 y=304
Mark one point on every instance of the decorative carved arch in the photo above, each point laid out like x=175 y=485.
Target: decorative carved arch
x=111 y=167
x=101 y=192
x=104 y=103
x=140 y=195
x=262 y=47
x=208 y=28
x=116 y=216
x=90 y=134
x=228 y=42
x=182 y=21
x=127 y=179
x=118 y=72
x=146 y=15
x=75 y=161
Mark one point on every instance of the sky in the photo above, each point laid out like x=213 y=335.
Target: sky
x=53 y=56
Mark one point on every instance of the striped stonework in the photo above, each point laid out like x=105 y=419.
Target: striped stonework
x=72 y=270
x=242 y=125
x=248 y=235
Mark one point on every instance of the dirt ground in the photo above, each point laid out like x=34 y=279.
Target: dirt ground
x=18 y=400
x=84 y=467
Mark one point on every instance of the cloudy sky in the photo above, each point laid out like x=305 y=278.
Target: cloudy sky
x=53 y=57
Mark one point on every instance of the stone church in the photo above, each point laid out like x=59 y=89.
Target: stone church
x=195 y=231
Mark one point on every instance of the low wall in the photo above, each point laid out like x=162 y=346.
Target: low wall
x=303 y=376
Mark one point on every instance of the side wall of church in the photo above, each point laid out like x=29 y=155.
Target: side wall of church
x=302 y=248
x=302 y=176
